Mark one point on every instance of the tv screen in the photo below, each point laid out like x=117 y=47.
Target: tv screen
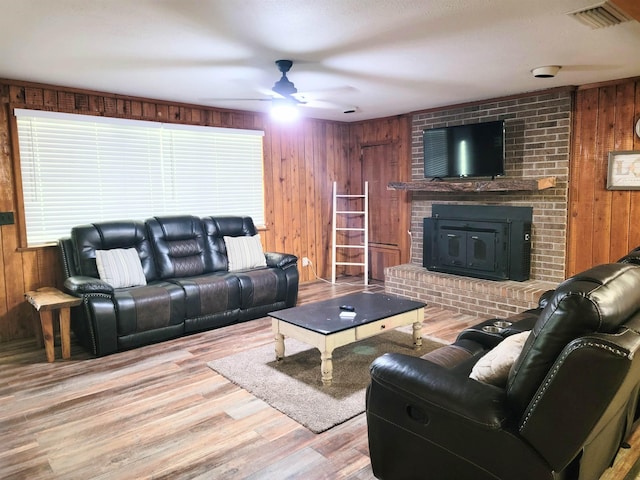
x=474 y=150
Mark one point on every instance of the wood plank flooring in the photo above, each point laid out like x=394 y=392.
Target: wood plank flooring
x=159 y=412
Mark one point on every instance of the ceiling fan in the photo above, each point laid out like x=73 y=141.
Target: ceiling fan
x=285 y=87
x=285 y=108
x=284 y=93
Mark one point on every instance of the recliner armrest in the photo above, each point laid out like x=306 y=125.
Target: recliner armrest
x=520 y=322
x=280 y=260
x=433 y=385
x=424 y=418
x=544 y=298
x=80 y=285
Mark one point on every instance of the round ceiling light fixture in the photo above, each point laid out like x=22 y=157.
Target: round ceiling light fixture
x=548 y=71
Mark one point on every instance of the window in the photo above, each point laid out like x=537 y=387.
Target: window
x=80 y=169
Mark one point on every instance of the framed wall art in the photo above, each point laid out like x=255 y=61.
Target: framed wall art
x=624 y=171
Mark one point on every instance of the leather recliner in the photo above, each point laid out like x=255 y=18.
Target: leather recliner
x=568 y=405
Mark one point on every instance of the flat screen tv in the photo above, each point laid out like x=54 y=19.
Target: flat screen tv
x=474 y=150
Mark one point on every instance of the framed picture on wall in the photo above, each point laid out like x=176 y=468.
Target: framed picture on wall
x=624 y=171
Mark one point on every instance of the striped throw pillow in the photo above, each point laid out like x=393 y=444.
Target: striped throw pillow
x=244 y=252
x=120 y=267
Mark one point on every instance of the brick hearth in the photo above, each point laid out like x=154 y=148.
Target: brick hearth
x=473 y=296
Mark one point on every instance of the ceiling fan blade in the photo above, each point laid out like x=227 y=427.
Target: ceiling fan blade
x=322 y=104
x=322 y=92
x=294 y=99
x=236 y=99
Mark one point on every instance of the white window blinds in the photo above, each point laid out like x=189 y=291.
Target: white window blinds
x=80 y=169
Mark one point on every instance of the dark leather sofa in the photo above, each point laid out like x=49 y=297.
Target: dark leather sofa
x=567 y=406
x=188 y=286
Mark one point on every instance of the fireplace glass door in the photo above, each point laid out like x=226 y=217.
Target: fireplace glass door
x=452 y=248
x=481 y=250
x=470 y=249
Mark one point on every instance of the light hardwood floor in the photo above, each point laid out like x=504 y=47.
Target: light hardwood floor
x=159 y=412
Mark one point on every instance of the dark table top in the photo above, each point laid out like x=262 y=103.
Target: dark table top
x=324 y=316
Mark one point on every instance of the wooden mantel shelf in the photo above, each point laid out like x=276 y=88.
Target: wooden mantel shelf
x=497 y=185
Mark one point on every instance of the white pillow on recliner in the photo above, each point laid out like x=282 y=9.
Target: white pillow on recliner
x=494 y=366
x=120 y=267
x=244 y=252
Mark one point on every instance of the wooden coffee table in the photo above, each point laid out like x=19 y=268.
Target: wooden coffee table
x=319 y=324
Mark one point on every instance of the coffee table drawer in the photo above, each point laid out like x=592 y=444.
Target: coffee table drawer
x=375 y=328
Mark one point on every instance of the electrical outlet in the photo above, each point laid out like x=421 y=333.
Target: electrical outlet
x=305 y=261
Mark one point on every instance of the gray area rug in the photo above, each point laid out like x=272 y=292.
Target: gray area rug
x=294 y=385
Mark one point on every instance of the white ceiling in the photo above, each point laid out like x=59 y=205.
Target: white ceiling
x=384 y=57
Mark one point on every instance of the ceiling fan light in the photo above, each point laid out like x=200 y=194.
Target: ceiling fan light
x=284 y=111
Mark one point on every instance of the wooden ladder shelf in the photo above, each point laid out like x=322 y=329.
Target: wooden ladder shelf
x=342 y=208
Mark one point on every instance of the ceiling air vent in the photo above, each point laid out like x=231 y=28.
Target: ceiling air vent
x=602 y=15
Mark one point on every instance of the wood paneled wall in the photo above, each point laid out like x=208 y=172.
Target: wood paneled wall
x=603 y=224
x=301 y=162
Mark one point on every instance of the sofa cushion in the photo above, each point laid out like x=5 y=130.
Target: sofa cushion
x=120 y=267
x=179 y=246
x=493 y=368
x=215 y=229
x=448 y=356
x=244 y=252
x=86 y=239
x=459 y=356
x=210 y=294
x=264 y=286
x=149 y=307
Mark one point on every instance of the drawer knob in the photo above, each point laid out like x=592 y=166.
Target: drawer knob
x=382 y=327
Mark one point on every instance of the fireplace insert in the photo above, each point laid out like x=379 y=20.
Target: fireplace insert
x=482 y=241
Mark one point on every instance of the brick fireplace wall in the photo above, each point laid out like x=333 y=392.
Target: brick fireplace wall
x=538 y=131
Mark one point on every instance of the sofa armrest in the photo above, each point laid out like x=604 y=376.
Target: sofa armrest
x=280 y=260
x=439 y=389
x=65 y=247
x=81 y=285
x=289 y=265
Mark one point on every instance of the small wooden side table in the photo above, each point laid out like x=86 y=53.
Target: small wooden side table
x=46 y=301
